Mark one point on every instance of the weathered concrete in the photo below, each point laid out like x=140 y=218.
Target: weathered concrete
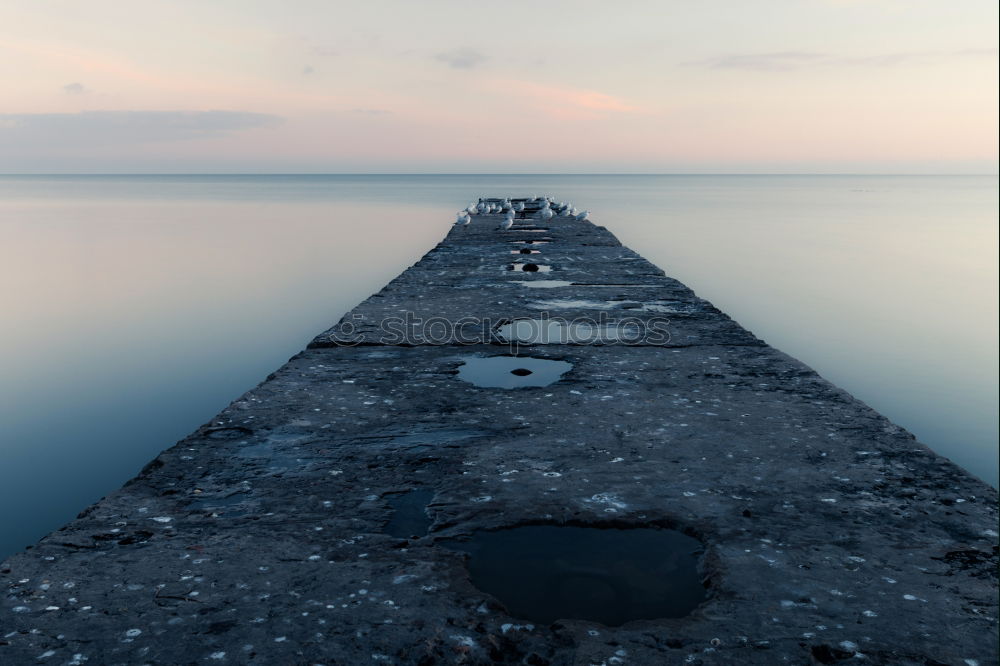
x=831 y=534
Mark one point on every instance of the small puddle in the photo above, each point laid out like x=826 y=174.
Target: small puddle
x=663 y=307
x=530 y=242
x=593 y=284
x=570 y=304
x=510 y=372
x=544 y=284
x=231 y=432
x=545 y=573
x=529 y=268
x=223 y=505
x=525 y=250
x=409 y=516
x=553 y=332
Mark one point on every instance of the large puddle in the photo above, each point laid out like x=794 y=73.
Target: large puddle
x=510 y=372
x=544 y=573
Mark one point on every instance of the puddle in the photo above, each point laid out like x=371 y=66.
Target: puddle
x=231 y=432
x=525 y=250
x=634 y=306
x=222 y=505
x=592 y=284
x=530 y=242
x=574 y=304
x=544 y=284
x=409 y=514
x=544 y=573
x=509 y=372
x=529 y=268
x=550 y=332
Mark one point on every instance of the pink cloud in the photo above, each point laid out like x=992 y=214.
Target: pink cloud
x=561 y=101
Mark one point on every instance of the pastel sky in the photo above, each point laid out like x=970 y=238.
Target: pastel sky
x=814 y=86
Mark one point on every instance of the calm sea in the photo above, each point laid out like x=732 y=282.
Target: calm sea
x=132 y=309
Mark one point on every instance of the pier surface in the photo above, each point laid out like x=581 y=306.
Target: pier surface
x=829 y=534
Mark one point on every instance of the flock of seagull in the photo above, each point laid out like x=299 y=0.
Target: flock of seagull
x=546 y=210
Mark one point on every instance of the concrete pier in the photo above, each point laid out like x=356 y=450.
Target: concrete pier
x=829 y=534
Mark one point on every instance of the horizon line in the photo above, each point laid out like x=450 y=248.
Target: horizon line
x=486 y=173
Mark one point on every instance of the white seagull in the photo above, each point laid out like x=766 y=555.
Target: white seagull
x=581 y=217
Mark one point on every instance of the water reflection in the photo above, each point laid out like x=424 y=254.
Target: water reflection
x=135 y=308
x=544 y=573
x=510 y=372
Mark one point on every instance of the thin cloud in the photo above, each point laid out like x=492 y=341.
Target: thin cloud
x=372 y=112
x=790 y=60
x=561 y=101
x=75 y=89
x=778 y=61
x=464 y=58
x=124 y=127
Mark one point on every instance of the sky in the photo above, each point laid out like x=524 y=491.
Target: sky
x=441 y=86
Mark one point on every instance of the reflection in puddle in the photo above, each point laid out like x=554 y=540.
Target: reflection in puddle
x=551 y=332
x=530 y=268
x=409 y=517
x=511 y=372
x=544 y=573
x=545 y=284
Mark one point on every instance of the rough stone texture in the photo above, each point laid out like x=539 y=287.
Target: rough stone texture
x=830 y=534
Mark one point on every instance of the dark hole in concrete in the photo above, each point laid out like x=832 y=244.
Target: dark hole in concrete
x=409 y=517
x=525 y=250
x=529 y=268
x=545 y=573
x=507 y=372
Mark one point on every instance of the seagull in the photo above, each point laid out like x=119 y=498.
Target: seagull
x=547 y=213
x=519 y=207
x=462 y=219
x=507 y=223
x=582 y=217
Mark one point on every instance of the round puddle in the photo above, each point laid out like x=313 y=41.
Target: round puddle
x=510 y=372
x=544 y=573
x=529 y=268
